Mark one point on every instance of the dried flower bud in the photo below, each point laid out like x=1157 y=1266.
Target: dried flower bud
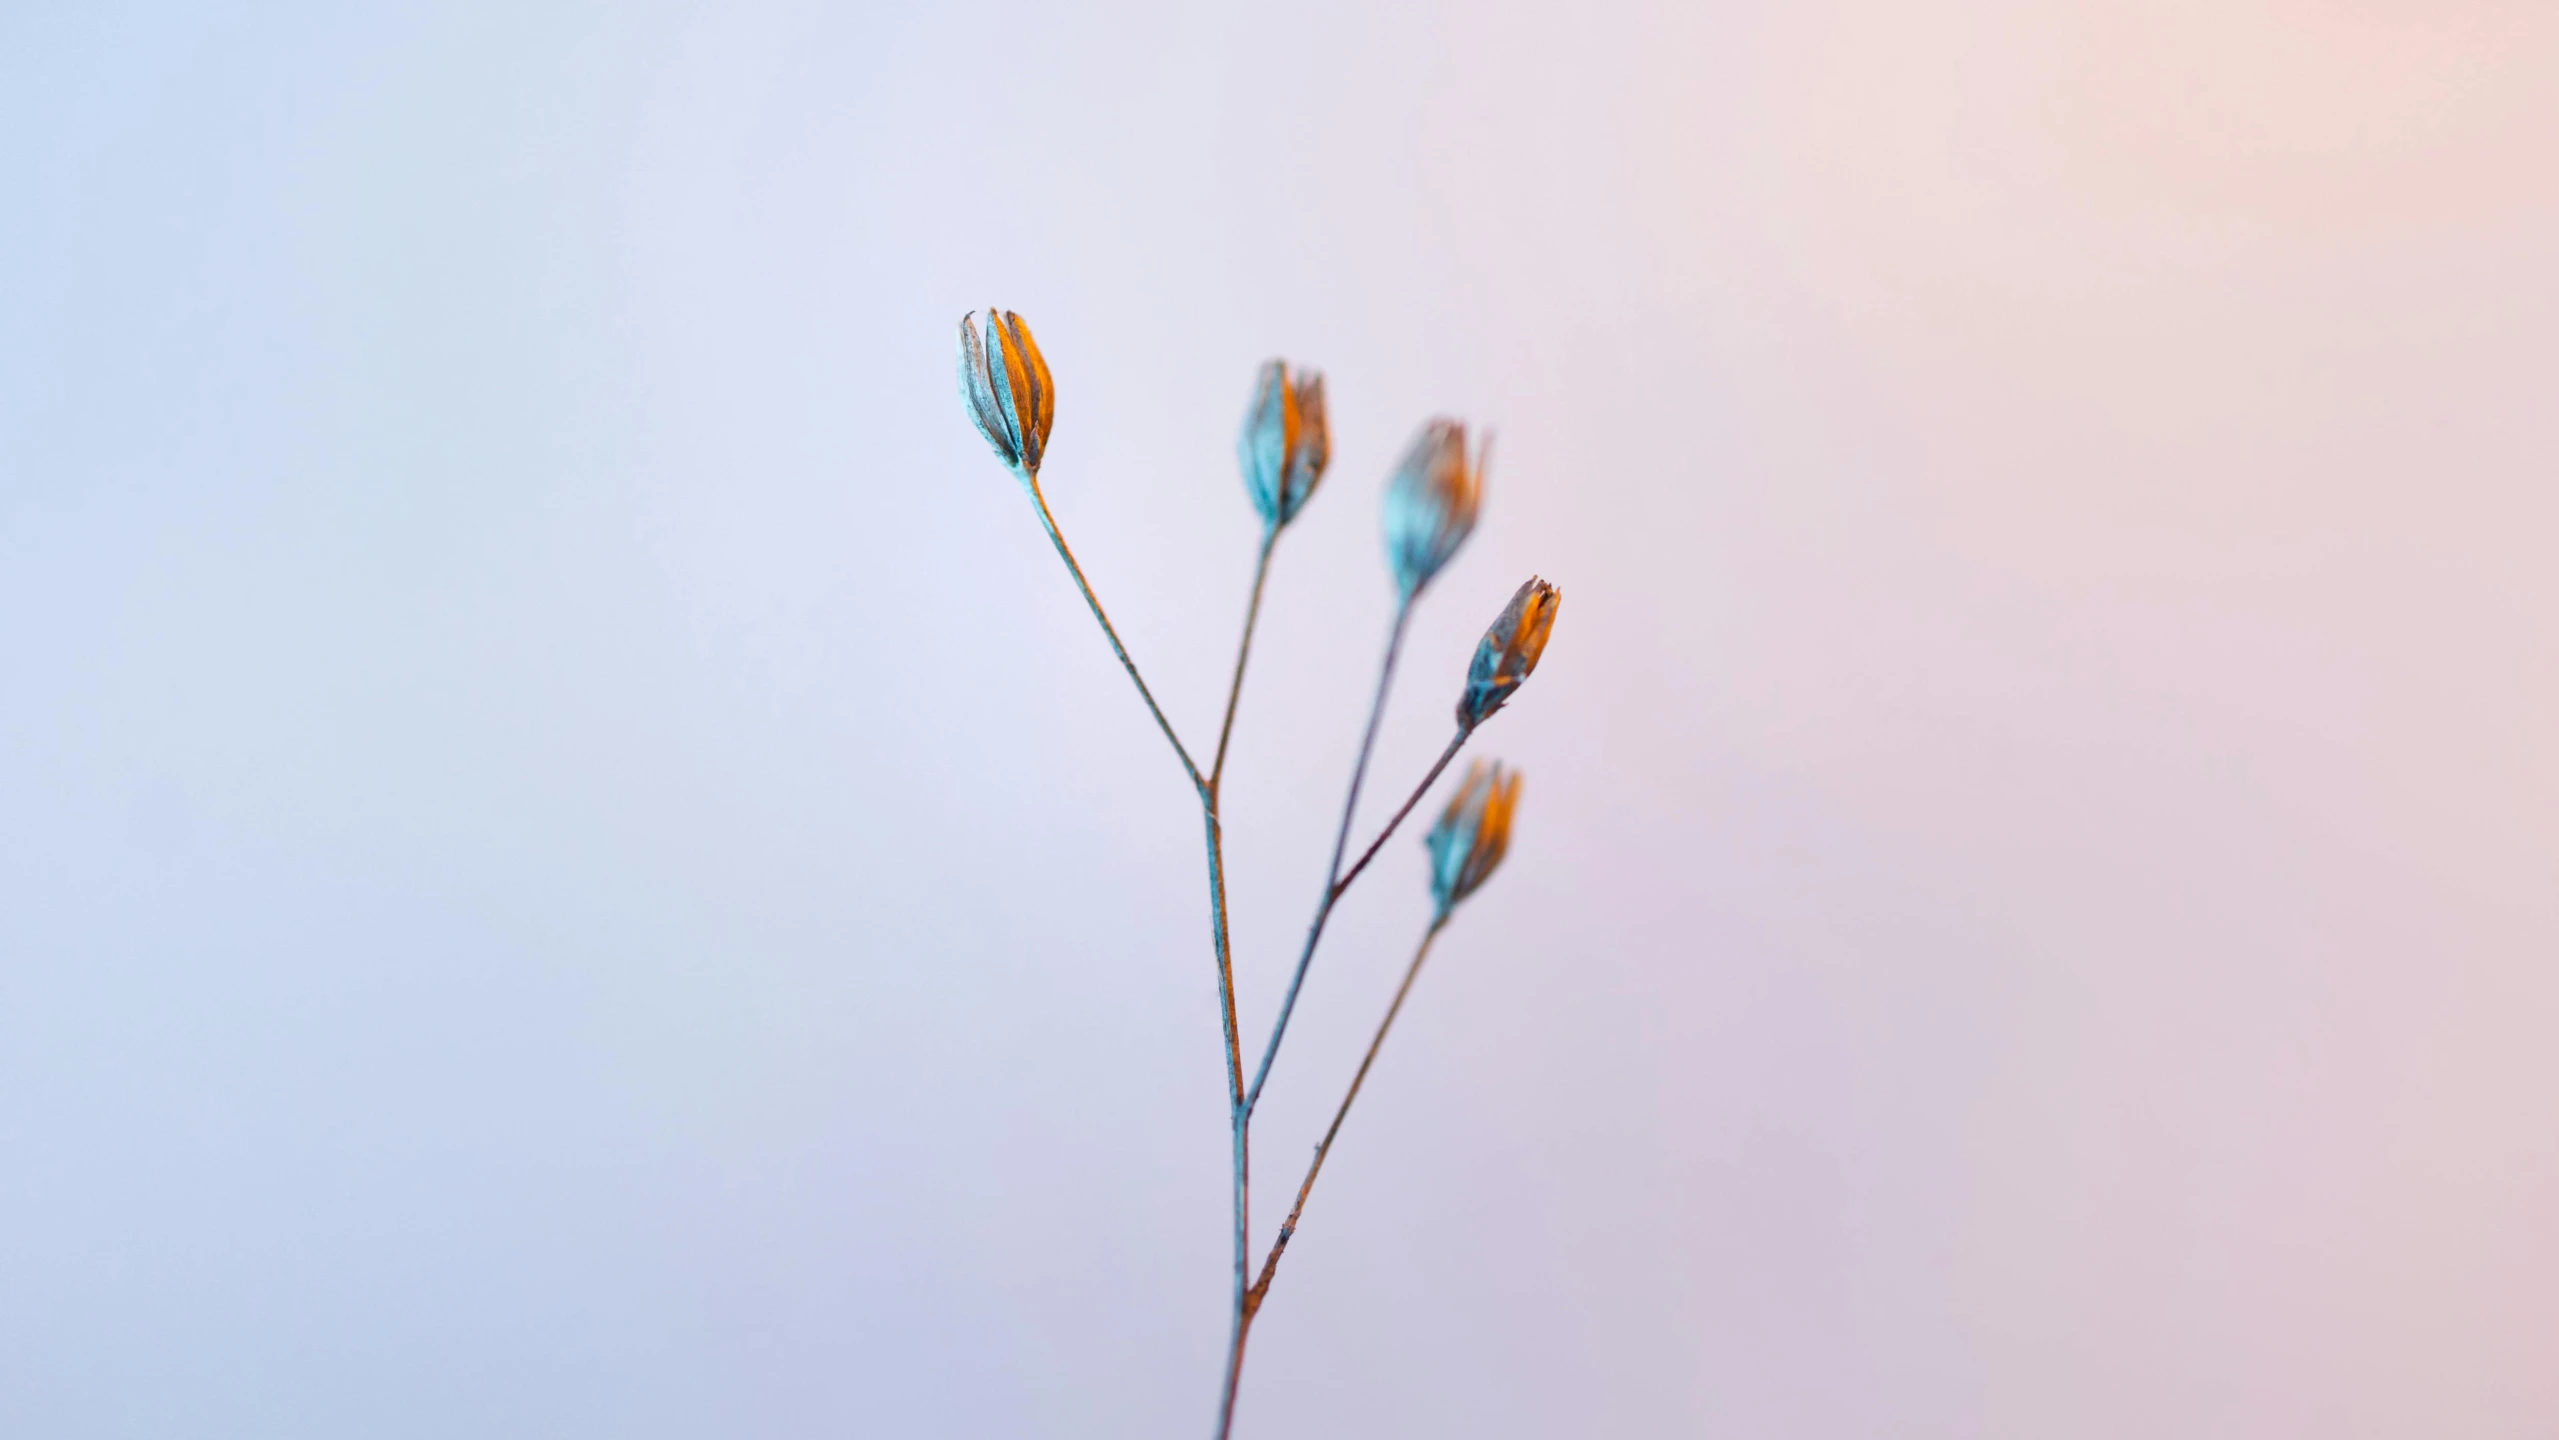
x=1508 y=651
x=1431 y=503
x=1006 y=385
x=1285 y=443
x=1473 y=833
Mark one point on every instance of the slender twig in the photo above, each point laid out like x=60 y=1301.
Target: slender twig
x=1218 y=937
x=1206 y=787
x=1031 y=483
x=1334 y=890
x=1243 y=648
x=1341 y=841
x=1200 y=783
x=1288 y=1227
x=1456 y=743
x=1248 y=1301
x=1236 y=1114
x=1368 y=737
x=1241 y=1321
x=1245 y=1101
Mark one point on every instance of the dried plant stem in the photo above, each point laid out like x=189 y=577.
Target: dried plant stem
x=1031 y=484
x=1248 y=1300
x=1341 y=841
x=1235 y=1117
x=1241 y=1322
x=1249 y=1291
x=1334 y=889
x=1243 y=649
x=1236 y=1114
x=1244 y=1299
x=1368 y=737
x=1207 y=795
x=1288 y=1227
x=1456 y=743
x=1206 y=788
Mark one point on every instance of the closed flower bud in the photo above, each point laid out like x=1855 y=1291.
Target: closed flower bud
x=1473 y=833
x=1508 y=651
x=1285 y=443
x=1006 y=386
x=1431 y=504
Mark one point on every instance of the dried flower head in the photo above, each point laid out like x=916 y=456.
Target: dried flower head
x=1431 y=503
x=1473 y=833
x=1508 y=651
x=1286 y=442
x=1006 y=385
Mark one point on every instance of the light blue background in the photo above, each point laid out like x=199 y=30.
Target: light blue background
x=569 y=864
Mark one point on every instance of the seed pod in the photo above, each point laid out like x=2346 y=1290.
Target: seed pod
x=1508 y=651
x=1473 y=833
x=1005 y=384
x=1286 y=442
x=1431 y=503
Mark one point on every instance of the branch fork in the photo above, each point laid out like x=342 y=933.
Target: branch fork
x=1432 y=501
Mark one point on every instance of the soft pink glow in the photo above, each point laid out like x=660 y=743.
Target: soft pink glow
x=573 y=866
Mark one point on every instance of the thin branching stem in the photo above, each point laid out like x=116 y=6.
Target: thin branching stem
x=1216 y=837
x=1334 y=890
x=1236 y=1117
x=1208 y=813
x=1241 y=1320
x=1341 y=842
x=1456 y=743
x=1288 y=1227
x=1368 y=737
x=1248 y=1300
x=1243 y=649
x=1206 y=788
x=1198 y=781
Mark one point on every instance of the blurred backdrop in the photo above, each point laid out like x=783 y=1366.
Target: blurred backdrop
x=570 y=863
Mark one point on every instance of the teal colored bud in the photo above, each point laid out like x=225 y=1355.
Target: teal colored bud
x=1473 y=833
x=1508 y=651
x=1286 y=441
x=1431 y=502
x=1005 y=385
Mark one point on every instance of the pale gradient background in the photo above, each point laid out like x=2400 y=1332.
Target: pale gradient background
x=569 y=864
